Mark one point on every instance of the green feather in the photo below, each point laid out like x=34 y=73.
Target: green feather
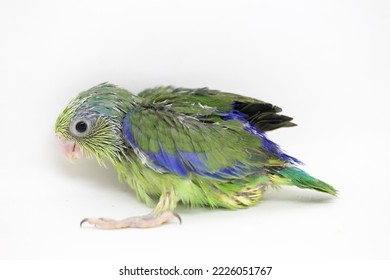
x=299 y=178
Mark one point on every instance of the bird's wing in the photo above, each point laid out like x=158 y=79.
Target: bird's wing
x=172 y=142
x=262 y=115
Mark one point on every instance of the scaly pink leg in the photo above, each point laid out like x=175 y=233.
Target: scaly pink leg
x=161 y=214
x=146 y=221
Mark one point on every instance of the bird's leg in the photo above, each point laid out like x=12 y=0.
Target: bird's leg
x=161 y=214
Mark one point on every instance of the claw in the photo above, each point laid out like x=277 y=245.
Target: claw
x=177 y=216
x=83 y=221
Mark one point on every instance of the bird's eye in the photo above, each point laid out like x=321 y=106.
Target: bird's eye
x=80 y=127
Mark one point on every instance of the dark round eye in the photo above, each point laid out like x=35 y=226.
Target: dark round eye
x=81 y=126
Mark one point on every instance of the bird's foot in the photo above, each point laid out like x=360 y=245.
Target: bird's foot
x=146 y=221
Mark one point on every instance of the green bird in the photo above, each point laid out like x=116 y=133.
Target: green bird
x=200 y=147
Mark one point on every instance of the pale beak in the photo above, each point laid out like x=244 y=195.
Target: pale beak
x=70 y=148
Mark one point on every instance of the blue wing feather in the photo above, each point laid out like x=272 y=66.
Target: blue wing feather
x=183 y=163
x=268 y=145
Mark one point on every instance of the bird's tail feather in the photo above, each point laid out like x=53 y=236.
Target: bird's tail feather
x=295 y=176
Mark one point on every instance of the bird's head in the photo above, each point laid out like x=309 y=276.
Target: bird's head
x=91 y=124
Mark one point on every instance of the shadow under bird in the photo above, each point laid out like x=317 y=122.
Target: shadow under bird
x=200 y=147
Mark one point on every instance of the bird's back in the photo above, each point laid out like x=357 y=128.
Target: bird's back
x=205 y=137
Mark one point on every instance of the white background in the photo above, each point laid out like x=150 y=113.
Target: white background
x=326 y=63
